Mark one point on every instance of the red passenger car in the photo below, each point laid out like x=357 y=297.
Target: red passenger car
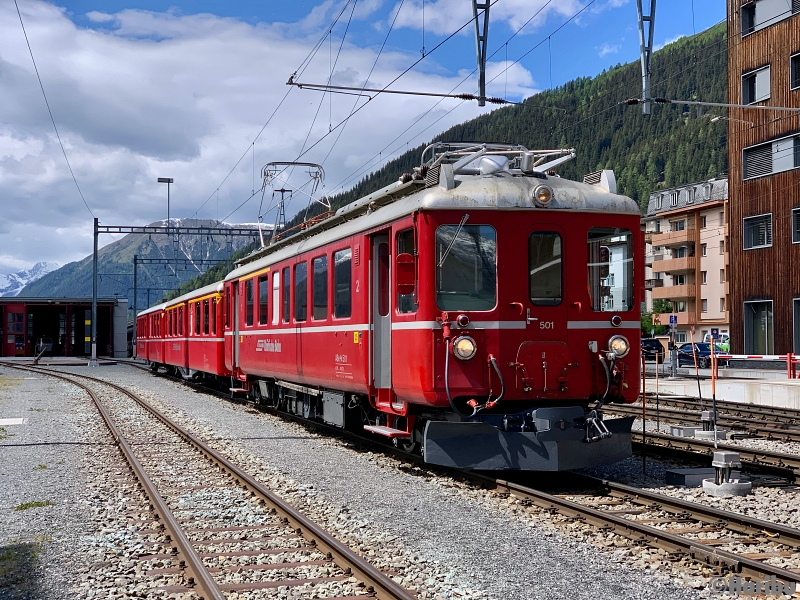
x=479 y=309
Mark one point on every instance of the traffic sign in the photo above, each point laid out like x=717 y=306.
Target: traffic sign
x=715 y=332
x=673 y=319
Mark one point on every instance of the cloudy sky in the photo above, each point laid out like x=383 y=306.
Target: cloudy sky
x=145 y=89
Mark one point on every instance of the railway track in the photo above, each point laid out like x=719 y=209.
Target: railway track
x=770 y=430
x=721 y=540
x=756 y=412
x=225 y=532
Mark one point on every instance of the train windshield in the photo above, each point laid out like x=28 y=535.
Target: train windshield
x=610 y=263
x=466 y=267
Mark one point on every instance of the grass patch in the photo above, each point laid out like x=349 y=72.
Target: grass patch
x=40 y=468
x=36 y=504
x=19 y=560
x=3 y=433
x=36 y=409
x=7 y=382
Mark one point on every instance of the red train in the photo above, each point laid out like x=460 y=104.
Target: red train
x=479 y=309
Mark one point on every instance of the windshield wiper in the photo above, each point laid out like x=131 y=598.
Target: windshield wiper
x=453 y=241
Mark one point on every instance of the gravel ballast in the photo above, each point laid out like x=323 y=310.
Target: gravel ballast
x=463 y=542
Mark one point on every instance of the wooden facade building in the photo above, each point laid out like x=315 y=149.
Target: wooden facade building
x=764 y=176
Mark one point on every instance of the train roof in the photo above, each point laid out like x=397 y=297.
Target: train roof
x=152 y=309
x=447 y=189
x=212 y=288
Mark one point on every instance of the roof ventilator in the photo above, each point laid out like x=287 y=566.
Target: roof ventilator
x=604 y=179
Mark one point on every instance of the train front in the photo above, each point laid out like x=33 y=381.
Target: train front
x=538 y=285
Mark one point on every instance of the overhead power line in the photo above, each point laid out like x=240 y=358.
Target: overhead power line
x=50 y=112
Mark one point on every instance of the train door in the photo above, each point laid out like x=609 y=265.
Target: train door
x=380 y=278
x=235 y=323
x=543 y=355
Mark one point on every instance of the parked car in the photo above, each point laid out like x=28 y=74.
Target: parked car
x=652 y=348
x=703 y=350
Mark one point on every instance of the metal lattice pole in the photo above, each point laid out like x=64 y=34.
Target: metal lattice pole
x=646 y=50
x=481 y=38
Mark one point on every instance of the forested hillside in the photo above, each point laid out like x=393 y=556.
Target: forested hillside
x=673 y=145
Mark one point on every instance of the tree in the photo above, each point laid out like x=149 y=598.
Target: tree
x=659 y=307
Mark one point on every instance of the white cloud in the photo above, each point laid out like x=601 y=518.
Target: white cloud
x=605 y=49
x=182 y=96
x=99 y=17
x=667 y=42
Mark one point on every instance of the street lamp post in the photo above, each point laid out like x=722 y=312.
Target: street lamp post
x=166 y=180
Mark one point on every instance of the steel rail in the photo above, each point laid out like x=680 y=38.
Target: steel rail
x=781 y=432
x=383 y=587
x=209 y=590
x=789 y=415
x=638 y=532
x=757 y=459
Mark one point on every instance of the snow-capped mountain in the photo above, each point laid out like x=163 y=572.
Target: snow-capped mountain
x=11 y=285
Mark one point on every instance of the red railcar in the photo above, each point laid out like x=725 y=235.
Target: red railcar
x=150 y=335
x=480 y=309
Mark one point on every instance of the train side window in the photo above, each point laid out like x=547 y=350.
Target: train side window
x=320 y=287
x=300 y=291
x=286 y=295
x=180 y=320
x=248 y=302
x=206 y=317
x=544 y=268
x=610 y=265
x=342 y=283
x=263 y=297
x=212 y=316
x=405 y=245
x=276 y=297
x=197 y=318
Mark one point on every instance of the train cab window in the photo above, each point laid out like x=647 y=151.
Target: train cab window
x=405 y=245
x=466 y=267
x=197 y=318
x=248 y=302
x=300 y=291
x=320 y=287
x=205 y=317
x=544 y=268
x=263 y=297
x=286 y=295
x=342 y=282
x=610 y=264
x=276 y=297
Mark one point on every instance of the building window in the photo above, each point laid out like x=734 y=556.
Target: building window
x=703 y=249
x=679 y=280
x=722 y=247
x=678 y=225
x=673 y=199
x=721 y=218
x=679 y=252
x=704 y=277
x=722 y=275
x=659 y=201
x=763 y=13
x=758 y=327
x=757 y=232
x=755 y=86
x=703 y=222
x=773 y=157
x=680 y=306
x=794 y=79
x=658 y=226
x=704 y=305
x=680 y=337
x=722 y=304
x=796 y=226
x=707 y=191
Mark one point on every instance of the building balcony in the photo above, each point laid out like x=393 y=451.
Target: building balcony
x=675 y=265
x=675 y=292
x=650 y=284
x=675 y=238
x=727 y=288
x=684 y=318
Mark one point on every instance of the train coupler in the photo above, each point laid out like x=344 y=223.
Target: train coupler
x=596 y=429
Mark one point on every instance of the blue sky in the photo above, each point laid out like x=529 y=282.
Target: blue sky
x=148 y=89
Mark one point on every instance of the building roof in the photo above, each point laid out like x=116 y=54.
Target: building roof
x=43 y=300
x=705 y=192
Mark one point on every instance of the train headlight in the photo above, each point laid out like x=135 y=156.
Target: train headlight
x=542 y=195
x=619 y=345
x=464 y=347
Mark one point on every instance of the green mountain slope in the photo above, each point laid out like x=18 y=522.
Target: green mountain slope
x=673 y=145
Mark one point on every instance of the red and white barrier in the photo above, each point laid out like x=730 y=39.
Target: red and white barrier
x=791 y=360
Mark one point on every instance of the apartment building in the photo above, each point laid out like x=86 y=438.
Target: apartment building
x=763 y=160
x=687 y=256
